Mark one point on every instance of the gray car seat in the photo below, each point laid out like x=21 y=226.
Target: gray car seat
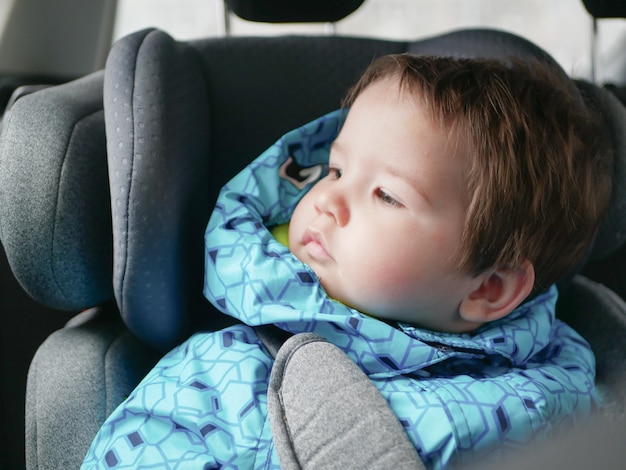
x=181 y=118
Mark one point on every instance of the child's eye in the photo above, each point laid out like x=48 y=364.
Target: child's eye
x=386 y=198
x=334 y=173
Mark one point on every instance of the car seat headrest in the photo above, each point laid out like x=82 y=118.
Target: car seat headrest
x=488 y=44
x=55 y=216
x=483 y=43
x=606 y=8
x=293 y=11
x=157 y=122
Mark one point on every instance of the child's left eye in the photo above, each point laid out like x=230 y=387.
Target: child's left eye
x=386 y=198
x=334 y=173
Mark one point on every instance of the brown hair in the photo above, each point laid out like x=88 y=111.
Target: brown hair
x=539 y=172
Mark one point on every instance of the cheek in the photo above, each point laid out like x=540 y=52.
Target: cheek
x=403 y=267
x=379 y=277
x=400 y=278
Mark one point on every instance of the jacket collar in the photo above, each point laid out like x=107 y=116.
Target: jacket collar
x=383 y=350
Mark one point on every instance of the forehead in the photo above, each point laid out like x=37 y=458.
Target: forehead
x=389 y=130
x=390 y=109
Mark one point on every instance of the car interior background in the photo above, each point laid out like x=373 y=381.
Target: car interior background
x=81 y=219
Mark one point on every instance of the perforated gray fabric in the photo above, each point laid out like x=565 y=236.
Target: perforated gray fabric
x=157 y=119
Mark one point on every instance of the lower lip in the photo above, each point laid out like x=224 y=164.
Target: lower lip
x=316 y=250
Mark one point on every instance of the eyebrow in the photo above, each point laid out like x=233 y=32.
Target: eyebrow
x=404 y=177
x=393 y=171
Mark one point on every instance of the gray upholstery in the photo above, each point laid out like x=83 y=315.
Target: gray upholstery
x=75 y=381
x=157 y=121
x=316 y=400
x=55 y=219
x=55 y=223
x=181 y=119
x=55 y=228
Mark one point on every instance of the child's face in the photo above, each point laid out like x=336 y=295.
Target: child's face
x=382 y=230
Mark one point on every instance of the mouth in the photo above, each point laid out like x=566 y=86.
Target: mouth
x=314 y=245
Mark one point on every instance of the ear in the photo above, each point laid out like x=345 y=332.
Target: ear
x=500 y=292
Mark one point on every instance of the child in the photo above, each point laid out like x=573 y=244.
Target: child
x=451 y=200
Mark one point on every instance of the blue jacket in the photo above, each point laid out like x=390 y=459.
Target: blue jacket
x=459 y=397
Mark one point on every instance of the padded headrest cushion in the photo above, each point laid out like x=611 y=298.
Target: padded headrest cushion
x=482 y=43
x=606 y=8
x=157 y=122
x=55 y=216
x=612 y=232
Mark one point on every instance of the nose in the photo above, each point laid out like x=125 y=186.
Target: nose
x=333 y=202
